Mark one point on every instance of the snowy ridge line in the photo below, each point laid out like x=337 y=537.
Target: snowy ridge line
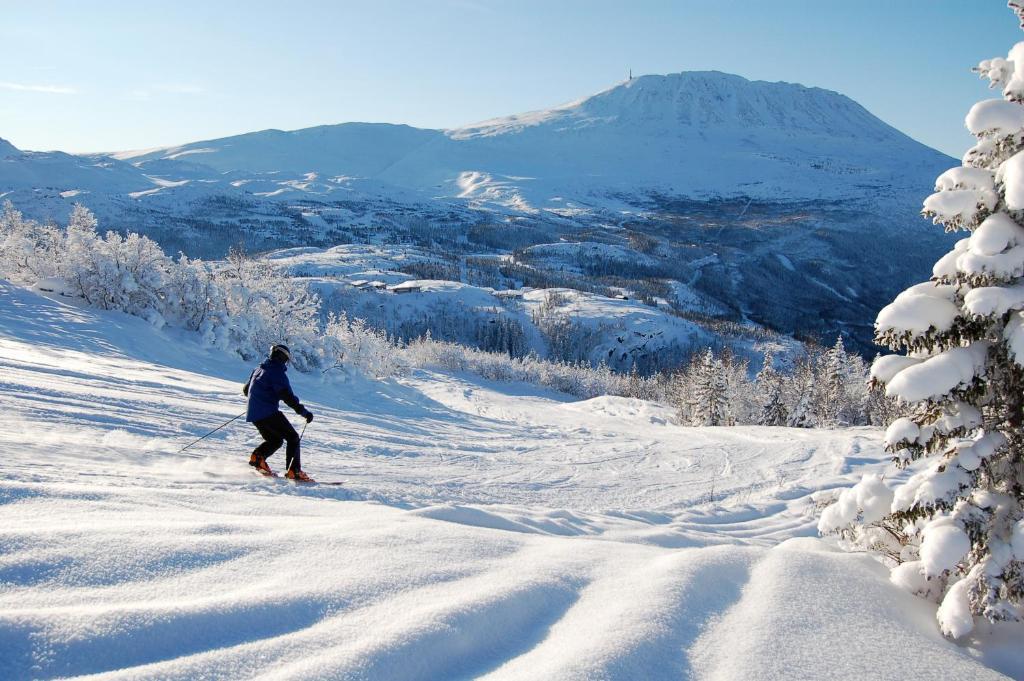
x=123 y=561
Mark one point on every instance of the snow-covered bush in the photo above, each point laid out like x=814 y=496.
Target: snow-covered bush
x=193 y=299
x=112 y=272
x=242 y=306
x=351 y=343
x=951 y=528
x=263 y=307
x=29 y=251
x=580 y=379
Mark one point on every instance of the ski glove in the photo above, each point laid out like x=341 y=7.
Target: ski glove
x=308 y=415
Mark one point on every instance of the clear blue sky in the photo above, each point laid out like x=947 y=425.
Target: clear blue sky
x=110 y=75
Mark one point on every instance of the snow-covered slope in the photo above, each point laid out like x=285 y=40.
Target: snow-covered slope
x=356 y=149
x=482 y=532
x=701 y=100
x=72 y=175
x=7 y=149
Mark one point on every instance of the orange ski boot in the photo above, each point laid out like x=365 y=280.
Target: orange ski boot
x=298 y=476
x=260 y=464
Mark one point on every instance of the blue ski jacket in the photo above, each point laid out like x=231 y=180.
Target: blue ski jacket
x=267 y=386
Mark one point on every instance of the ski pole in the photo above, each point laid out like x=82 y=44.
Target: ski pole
x=303 y=430
x=212 y=432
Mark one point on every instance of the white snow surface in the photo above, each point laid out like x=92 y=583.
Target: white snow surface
x=919 y=308
x=937 y=376
x=961 y=206
x=995 y=234
x=995 y=117
x=943 y=547
x=946 y=266
x=994 y=300
x=1011 y=174
x=963 y=177
x=483 y=531
x=887 y=366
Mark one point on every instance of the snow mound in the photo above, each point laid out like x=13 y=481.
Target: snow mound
x=771 y=634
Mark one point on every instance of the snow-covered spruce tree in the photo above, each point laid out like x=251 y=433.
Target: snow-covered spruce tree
x=769 y=389
x=831 y=396
x=740 y=402
x=955 y=528
x=709 y=391
x=800 y=393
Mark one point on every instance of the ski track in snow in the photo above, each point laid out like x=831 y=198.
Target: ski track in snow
x=483 y=531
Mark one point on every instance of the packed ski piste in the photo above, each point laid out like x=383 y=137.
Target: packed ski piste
x=452 y=516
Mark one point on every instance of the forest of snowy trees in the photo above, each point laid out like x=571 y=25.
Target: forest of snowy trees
x=243 y=305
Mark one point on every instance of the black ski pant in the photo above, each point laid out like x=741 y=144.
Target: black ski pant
x=276 y=430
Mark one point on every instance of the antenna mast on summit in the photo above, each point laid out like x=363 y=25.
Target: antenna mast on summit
x=631 y=74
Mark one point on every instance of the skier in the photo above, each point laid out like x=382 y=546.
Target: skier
x=267 y=385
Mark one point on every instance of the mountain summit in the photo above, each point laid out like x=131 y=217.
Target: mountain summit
x=702 y=101
x=697 y=135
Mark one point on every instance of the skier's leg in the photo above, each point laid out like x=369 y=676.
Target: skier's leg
x=273 y=438
x=292 y=460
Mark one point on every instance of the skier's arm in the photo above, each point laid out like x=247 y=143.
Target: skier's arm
x=284 y=391
x=289 y=398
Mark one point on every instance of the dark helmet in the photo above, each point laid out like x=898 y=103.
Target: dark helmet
x=280 y=352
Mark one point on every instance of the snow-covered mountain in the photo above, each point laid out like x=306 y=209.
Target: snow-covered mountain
x=68 y=174
x=700 y=134
x=348 y=149
x=754 y=201
x=689 y=134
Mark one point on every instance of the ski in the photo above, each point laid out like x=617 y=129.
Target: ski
x=316 y=482
x=271 y=474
